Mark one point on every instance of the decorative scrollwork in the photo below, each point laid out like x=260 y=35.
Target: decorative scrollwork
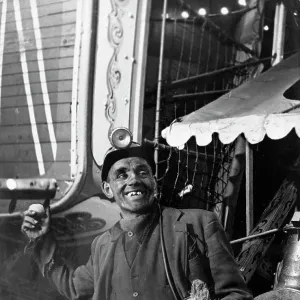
x=115 y=37
x=115 y=34
x=75 y=223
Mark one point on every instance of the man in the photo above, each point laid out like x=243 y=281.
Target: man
x=151 y=253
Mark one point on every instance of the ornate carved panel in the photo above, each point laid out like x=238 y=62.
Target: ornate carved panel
x=117 y=63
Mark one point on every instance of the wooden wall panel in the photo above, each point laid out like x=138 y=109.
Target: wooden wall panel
x=28 y=170
x=50 y=64
x=54 y=52
x=22 y=134
x=15 y=153
x=55 y=97
x=48 y=42
x=37 y=75
x=53 y=87
x=53 y=9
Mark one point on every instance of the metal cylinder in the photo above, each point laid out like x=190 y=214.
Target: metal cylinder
x=289 y=276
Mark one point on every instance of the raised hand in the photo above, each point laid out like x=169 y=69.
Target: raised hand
x=35 y=223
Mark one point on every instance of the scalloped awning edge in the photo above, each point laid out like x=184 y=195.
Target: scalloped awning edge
x=254 y=127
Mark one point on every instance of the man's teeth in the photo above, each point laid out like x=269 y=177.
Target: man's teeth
x=135 y=193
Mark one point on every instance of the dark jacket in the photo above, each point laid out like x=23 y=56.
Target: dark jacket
x=214 y=264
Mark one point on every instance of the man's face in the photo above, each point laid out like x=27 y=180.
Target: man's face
x=132 y=185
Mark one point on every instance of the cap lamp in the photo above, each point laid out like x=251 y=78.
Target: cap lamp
x=124 y=147
x=121 y=138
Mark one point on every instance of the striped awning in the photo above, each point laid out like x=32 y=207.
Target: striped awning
x=266 y=105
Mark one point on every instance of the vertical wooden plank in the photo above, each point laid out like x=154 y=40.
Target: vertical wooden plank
x=249 y=188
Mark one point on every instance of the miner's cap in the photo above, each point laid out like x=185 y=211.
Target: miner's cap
x=134 y=150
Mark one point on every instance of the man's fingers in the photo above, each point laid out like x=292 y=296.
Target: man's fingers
x=30 y=213
x=27 y=226
x=31 y=225
x=30 y=220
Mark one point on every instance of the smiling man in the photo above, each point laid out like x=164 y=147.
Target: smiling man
x=152 y=253
x=131 y=184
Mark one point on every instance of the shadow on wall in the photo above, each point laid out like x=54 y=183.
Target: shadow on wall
x=20 y=278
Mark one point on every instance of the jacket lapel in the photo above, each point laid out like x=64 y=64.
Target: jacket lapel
x=175 y=238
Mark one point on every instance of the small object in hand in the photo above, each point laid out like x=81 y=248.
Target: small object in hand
x=38 y=209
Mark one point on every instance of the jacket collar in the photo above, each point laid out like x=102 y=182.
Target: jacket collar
x=174 y=212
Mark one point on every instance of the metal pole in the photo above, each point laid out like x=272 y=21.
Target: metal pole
x=254 y=236
x=188 y=80
x=139 y=75
x=249 y=188
x=278 y=53
x=279 y=32
x=160 y=69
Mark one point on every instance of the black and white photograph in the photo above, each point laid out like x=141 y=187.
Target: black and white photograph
x=150 y=149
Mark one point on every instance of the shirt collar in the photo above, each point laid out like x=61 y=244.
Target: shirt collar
x=137 y=226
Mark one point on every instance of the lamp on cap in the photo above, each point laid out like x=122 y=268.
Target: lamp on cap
x=120 y=138
x=124 y=147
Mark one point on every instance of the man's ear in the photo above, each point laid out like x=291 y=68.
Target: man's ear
x=107 y=190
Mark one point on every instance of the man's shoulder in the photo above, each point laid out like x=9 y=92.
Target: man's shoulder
x=101 y=239
x=190 y=215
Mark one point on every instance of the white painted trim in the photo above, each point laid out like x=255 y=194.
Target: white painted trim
x=139 y=73
x=2 y=39
x=22 y=50
x=41 y=66
x=75 y=79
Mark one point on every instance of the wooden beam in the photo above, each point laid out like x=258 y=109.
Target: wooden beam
x=273 y=217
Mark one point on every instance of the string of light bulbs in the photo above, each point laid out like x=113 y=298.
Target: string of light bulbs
x=202 y=11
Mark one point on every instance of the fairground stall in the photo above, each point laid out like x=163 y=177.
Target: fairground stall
x=74 y=70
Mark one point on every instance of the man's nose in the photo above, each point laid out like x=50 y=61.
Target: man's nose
x=133 y=178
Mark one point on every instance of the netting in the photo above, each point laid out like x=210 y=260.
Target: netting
x=200 y=64
x=193 y=177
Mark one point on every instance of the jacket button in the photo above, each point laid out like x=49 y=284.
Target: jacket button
x=130 y=233
x=135 y=294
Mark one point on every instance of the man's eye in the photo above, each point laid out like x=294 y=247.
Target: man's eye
x=144 y=173
x=122 y=175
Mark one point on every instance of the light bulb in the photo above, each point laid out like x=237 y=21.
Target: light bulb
x=224 y=11
x=11 y=184
x=202 y=11
x=185 y=14
x=242 y=2
x=266 y=28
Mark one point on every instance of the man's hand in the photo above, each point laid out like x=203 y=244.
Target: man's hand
x=35 y=224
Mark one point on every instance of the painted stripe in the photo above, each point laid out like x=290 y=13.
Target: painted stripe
x=22 y=50
x=75 y=89
x=41 y=66
x=2 y=38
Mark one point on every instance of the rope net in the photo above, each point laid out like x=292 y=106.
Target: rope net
x=201 y=63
